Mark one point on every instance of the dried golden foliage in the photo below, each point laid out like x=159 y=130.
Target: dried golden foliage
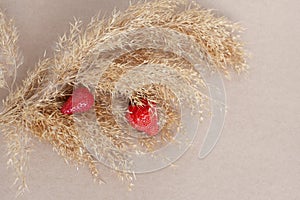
x=149 y=51
x=16 y=137
x=10 y=58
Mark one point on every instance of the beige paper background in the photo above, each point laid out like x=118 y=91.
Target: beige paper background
x=258 y=155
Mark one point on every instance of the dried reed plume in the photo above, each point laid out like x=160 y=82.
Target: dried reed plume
x=152 y=50
x=10 y=57
x=10 y=61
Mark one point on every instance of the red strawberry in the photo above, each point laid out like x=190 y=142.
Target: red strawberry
x=144 y=117
x=80 y=101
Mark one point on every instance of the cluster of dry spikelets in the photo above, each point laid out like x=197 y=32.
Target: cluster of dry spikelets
x=149 y=51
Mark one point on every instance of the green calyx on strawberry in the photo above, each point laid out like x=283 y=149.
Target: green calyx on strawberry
x=143 y=117
x=81 y=100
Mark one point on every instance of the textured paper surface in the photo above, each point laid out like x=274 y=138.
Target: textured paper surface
x=257 y=156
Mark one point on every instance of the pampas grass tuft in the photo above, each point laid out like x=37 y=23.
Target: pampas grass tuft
x=152 y=50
